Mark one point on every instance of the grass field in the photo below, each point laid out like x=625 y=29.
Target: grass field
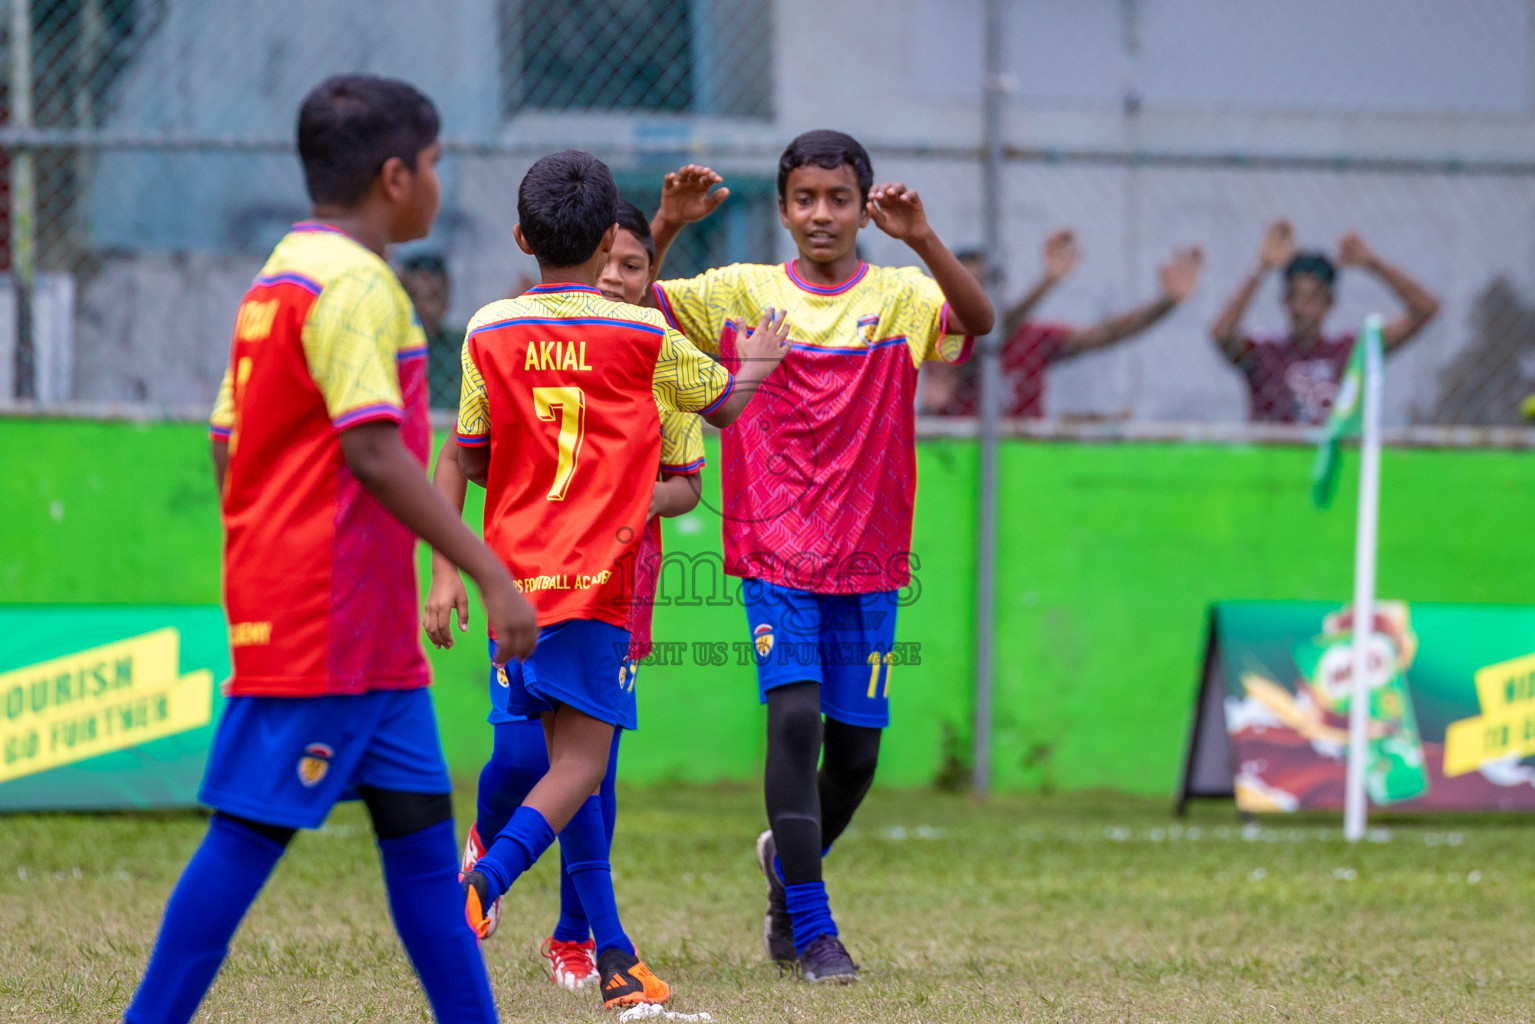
x=1060 y=908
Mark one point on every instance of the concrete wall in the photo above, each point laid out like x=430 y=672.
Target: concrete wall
x=1311 y=79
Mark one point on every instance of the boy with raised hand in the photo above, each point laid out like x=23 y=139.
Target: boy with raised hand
x=519 y=757
x=1294 y=377
x=320 y=440
x=818 y=482
x=559 y=421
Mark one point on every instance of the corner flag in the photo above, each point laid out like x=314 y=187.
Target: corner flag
x=1346 y=417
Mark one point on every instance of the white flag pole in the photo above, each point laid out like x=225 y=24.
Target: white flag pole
x=1364 y=582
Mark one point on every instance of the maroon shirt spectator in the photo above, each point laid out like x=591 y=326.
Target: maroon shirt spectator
x=1033 y=345
x=1290 y=383
x=1293 y=378
x=1024 y=357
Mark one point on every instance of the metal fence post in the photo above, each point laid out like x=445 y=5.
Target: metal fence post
x=991 y=399
x=23 y=196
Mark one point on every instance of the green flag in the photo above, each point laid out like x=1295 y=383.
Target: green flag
x=1346 y=418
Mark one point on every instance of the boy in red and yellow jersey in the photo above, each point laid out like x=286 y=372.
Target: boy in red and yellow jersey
x=519 y=757
x=559 y=421
x=320 y=439
x=819 y=483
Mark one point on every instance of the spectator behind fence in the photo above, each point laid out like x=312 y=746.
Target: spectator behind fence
x=1293 y=378
x=1032 y=345
x=425 y=278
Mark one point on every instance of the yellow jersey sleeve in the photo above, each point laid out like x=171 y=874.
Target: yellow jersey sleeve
x=922 y=314
x=682 y=442
x=221 y=421
x=473 y=429
x=687 y=380
x=699 y=306
x=352 y=338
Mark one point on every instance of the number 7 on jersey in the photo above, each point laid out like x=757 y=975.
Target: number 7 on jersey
x=571 y=403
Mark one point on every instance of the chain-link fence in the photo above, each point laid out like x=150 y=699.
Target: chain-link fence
x=146 y=167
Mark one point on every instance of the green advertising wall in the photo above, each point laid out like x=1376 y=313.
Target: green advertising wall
x=1109 y=556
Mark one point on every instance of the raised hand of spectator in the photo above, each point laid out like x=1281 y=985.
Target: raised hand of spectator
x=1278 y=246
x=1062 y=254
x=1180 y=274
x=1353 y=252
x=685 y=195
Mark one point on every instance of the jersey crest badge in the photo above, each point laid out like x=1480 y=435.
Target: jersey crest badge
x=762 y=637
x=314 y=764
x=867 y=325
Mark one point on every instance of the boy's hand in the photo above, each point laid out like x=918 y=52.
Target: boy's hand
x=897 y=211
x=685 y=195
x=446 y=596
x=767 y=344
x=1353 y=252
x=1278 y=246
x=1181 y=273
x=1062 y=254
x=513 y=622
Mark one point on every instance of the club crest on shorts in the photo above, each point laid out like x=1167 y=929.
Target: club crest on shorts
x=501 y=676
x=314 y=764
x=762 y=637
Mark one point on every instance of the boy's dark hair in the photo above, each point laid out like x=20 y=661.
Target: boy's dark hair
x=350 y=125
x=1314 y=263
x=827 y=149
x=566 y=203
x=426 y=263
x=632 y=220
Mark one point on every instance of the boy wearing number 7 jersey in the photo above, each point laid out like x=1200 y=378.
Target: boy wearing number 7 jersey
x=558 y=419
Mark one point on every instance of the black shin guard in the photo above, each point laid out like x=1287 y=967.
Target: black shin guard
x=396 y=813
x=789 y=779
x=847 y=771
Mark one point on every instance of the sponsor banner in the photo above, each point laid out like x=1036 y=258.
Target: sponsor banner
x=1451 y=715
x=107 y=707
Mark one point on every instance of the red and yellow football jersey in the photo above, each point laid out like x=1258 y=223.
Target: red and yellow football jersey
x=819 y=474
x=319 y=579
x=564 y=386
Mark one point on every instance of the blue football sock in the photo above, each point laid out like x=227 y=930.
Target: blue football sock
x=572 y=925
x=585 y=844
x=517 y=848
x=218 y=886
x=809 y=912
x=421 y=873
x=518 y=760
x=607 y=793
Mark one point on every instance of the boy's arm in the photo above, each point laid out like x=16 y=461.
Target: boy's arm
x=220 y=425
x=1276 y=250
x=1061 y=258
x=760 y=351
x=1420 y=302
x=379 y=460
x=685 y=198
x=1179 y=276
x=220 y=462
x=897 y=211
x=676 y=494
x=447 y=594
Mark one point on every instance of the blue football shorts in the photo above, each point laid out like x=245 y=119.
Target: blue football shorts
x=288 y=760
x=842 y=641
x=580 y=662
